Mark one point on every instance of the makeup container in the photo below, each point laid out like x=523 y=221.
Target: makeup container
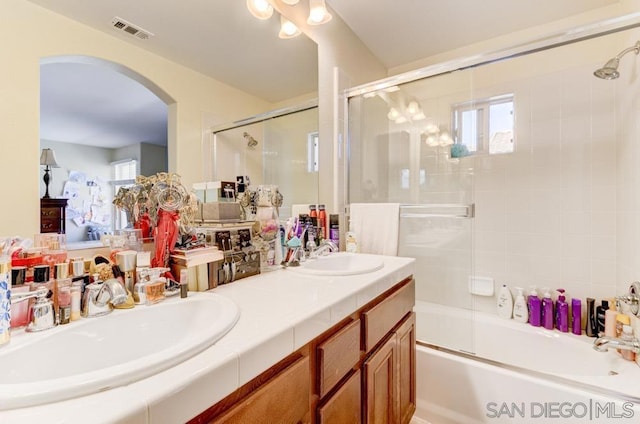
x=20 y=310
x=126 y=260
x=18 y=275
x=76 y=298
x=64 y=301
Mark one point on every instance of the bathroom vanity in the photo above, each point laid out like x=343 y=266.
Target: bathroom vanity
x=306 y=348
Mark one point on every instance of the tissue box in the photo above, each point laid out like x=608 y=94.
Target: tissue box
x=220 y=211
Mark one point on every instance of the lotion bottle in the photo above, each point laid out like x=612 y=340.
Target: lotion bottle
x=505 y=303
x=520 y=311
x=535 y=308
x=562 y=312
x=547 y=310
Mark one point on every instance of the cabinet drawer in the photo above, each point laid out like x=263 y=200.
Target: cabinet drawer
x=49 y=225
x=337 y=355
x=344 y=406
x=381 y=318
x=53 y=213
x=284 y=399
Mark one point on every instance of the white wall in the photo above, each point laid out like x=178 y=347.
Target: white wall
x=43 y=34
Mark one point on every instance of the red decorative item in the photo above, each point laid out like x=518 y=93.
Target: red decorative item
x=144 y=224
x=166 y=237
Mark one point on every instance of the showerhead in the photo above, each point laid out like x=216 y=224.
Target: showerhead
x=251 y=142
x=610 y=69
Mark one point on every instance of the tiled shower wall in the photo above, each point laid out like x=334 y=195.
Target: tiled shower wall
x=560 y=211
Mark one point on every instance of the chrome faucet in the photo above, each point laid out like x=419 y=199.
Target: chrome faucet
x=42 y=313
x=602 y=344
x=100 y=297
x=325 y=245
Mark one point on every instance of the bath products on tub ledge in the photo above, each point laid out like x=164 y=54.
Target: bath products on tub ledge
x=576 y=317
x=591 y=325
x=535 y=308
x=562 y=312
x=520 y=311
x=505 y=302
x=547 y=310
x=600 y=315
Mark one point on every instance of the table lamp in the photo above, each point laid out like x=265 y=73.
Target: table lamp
x=48 y=159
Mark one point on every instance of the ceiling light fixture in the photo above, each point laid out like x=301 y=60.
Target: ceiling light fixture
x=318 y=13
x=288 y=29
x=261 y=9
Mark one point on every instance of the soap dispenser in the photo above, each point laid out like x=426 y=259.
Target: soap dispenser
x=547 y=310
x=535 y=308
x=505 y=303
x=562 y=312
x=520 y=311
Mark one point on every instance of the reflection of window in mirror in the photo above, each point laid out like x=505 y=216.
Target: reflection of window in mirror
x=473 y=121
x=312 y=152
x=124 y=174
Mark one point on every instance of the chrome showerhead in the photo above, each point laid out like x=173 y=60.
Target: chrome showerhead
x=610 y=69
x=251 y=142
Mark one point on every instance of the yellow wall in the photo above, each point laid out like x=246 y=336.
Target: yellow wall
x=31 y=33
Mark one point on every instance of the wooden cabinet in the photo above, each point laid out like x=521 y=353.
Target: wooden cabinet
x=390 y=378
x=52 y=215
x=362 y=370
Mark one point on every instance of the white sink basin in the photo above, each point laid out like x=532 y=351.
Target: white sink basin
x=340 y=263
x=97 y=354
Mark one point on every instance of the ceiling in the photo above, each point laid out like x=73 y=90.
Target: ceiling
x=221 y=39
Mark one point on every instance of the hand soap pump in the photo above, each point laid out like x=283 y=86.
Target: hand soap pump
x=547 y=310
x=520 y=311
x=562 y=312
x=535 y=308
x=505 y=302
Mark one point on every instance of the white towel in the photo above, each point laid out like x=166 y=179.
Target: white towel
x=376 y=227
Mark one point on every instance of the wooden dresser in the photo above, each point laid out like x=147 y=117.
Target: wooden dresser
x=52 y=215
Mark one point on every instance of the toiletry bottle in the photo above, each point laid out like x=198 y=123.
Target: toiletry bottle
x=505 y=302
x=351 y=243
x=627 y=336
x=600 y=315
x=334 y=229
x=535 y=308
x=520 y=311
x=610 y=320
x=5 y=296
x=322 y=222
x=621 y=321
x=547 y=310
x=313 y=213
x=590 y=327
x=562 y=312
x=576 y=316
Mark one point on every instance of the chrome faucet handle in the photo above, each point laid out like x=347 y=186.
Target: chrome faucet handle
x=632 y=298
x=43 y=316
x=99 y=297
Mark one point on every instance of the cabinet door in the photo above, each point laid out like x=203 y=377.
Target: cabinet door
x=380 y=384
x=406 y=345
x=284 y=399
x=345 y=405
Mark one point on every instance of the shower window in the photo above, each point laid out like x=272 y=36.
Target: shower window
x=473 y=121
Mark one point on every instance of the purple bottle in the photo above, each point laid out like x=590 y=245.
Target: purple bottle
x=562 y=312
x=576 y=316
x=535 y=309
x=547 y=310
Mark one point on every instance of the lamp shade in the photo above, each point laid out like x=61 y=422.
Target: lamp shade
x=318 y=13
x=288 y=29
x=48 y=157
x=260 y=9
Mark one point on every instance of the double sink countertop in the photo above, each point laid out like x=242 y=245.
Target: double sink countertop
x=280 y=311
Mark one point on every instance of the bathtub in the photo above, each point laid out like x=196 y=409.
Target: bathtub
x=505 y=371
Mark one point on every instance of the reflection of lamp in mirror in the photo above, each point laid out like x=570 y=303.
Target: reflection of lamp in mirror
x=260 y=9
x=318 y=13
x=48 y=159
x=288 y=29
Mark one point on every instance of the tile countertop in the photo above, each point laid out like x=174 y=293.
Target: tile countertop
x=280 y=311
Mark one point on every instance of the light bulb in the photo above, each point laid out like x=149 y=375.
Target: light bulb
x=413 y=107
x=287 y=28
x=393 y=114
x=318 y=13
x=260 y=9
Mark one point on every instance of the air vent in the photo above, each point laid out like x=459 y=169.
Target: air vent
x=131 y=29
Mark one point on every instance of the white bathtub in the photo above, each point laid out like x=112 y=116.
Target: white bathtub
x=517 y=373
